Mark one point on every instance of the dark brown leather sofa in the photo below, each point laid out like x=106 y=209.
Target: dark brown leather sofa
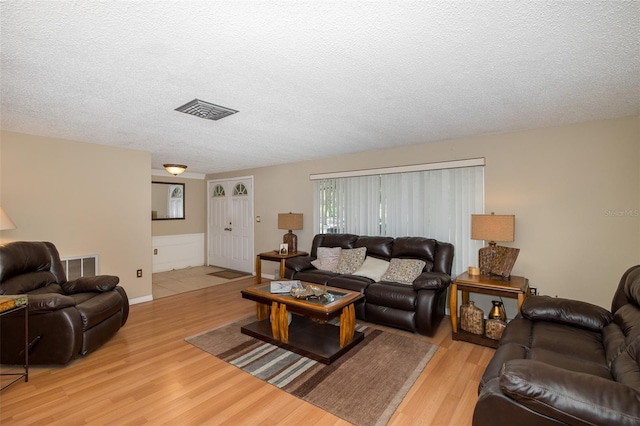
x=418 y=307
x=67 y=319
x=567 y=362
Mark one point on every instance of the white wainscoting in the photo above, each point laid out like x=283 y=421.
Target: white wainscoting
x=177 y=251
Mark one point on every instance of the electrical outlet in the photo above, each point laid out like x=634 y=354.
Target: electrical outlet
x=155 y=251
x=139 y=273
x=533 y=291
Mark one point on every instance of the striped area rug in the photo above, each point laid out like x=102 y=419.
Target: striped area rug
x=364 y=386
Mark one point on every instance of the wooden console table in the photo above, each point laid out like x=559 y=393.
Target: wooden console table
x=515 y=288
x=274 y=256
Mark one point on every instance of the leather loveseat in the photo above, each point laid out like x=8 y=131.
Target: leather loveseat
x=418 y=306
x=567 y=362
x=67 y=319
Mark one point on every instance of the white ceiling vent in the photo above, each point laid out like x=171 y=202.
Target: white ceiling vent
x=205 y=110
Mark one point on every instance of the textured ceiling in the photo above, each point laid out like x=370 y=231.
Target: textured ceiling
x=310 y=78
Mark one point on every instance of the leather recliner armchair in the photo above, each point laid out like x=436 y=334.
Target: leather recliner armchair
x=67 y=319
x=563 y=361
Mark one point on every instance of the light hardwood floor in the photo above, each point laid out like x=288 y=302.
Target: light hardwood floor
x=148 y=374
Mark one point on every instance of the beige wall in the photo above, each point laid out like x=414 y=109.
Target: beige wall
x=85 y=198
x=195 y=209
x=575 y=191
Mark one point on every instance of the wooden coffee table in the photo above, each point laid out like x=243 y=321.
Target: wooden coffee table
x=308 y=334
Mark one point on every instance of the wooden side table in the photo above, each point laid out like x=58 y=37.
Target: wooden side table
x=4 y=311
x=515 y=288
x=274 y=256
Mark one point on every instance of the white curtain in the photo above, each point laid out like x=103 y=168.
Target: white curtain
x=434 y=204
x=348 y=205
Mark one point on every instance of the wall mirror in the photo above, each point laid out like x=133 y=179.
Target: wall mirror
x=167 y=201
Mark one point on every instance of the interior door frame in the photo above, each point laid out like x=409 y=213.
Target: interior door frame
x=212 y=182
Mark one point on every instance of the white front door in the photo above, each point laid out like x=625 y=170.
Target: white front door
x=231 y=223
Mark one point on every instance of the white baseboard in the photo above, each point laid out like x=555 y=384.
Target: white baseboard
x=177 y=251
x=142 y=299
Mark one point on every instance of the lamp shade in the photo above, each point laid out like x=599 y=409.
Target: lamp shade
x=493 y=227
x=290 y=221
x=5 y=221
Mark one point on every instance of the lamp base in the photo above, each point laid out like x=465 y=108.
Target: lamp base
x=291 y=239
x=485 y=258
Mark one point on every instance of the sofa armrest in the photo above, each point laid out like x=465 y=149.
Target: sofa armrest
x=568 y=396
x=300 y=263
x=566 y=311
x=45 y=302
x=101 y=284
x=432 y=281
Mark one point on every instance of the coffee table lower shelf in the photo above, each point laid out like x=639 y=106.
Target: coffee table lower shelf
x=309 y=338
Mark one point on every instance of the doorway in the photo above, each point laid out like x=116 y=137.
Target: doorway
x=230 y=223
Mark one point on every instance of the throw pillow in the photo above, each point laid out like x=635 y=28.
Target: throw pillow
x=350 y=260
x=328 y=258
x=372 y=268
x=404 y=271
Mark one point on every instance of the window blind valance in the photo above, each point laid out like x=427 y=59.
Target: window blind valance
x=442 y=165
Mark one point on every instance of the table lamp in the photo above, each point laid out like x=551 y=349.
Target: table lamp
x=5 y=221
x=491 y=227
x=290 y=221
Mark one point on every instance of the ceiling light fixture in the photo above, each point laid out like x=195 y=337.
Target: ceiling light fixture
x=175 y=169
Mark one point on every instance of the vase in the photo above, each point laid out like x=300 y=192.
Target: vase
x=494 y=328
x=497 y=311
x=471 y=318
